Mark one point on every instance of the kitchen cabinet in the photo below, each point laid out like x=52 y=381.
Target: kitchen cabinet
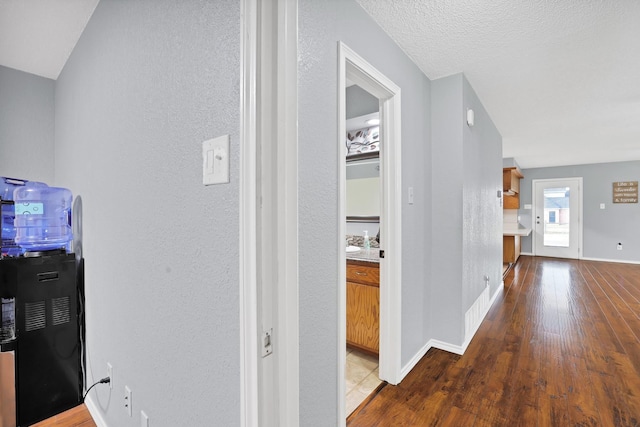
x=510 y=249
x=511 y=187
x=363 y=305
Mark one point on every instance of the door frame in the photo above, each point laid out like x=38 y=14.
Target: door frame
x=269 y=381
x=353 y=67
x=580 y=212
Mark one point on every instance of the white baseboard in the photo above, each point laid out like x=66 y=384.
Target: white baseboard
x=610 y=260
x=451 y=348
x=441 y=345
x=96 y=414
x=595 y=259
x=415 y=359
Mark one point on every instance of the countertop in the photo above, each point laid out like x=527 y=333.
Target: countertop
x=362 y=255
x=515 y=230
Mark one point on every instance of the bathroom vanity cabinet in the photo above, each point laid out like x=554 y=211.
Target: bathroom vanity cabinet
x=363 y=305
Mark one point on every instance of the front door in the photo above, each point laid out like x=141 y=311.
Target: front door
x=557 y=217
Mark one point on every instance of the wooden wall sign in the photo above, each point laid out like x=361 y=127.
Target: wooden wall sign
x=625 y=192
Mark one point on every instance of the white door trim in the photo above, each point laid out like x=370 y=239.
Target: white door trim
x=353 y=67
x=248 y=295
x=534 y=206
x=268 y=232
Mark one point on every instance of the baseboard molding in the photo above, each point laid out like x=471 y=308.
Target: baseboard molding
x=610 y=260
x=442 y=345
x=95 y=412
x=415 y=359
x=595 y=259
x=451 y=348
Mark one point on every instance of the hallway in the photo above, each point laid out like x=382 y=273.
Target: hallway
x=559 y=347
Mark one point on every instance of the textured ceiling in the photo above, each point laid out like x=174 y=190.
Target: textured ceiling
x=560 y=78
x=37 y=36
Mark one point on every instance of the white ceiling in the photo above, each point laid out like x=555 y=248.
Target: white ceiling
x=558 y=77
x=37 y=36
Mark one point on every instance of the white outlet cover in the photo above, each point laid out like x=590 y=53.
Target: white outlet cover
x=128 y=406
x=110 y=375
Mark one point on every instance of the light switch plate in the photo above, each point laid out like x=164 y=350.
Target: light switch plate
x=215 y=160
x=601 y=205
x=410 y=195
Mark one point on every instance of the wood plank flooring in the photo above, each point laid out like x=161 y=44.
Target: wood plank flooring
x=559 y=347
x=75 y=417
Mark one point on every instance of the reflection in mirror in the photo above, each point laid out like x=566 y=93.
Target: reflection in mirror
x=362 y=144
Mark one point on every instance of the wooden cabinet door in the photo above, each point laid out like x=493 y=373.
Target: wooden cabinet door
x=510 y=248
x=363 y=316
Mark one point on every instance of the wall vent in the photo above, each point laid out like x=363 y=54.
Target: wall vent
x=35 y=316
x=60 y=311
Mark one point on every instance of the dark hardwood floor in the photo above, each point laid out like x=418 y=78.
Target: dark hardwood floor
x=559 y=347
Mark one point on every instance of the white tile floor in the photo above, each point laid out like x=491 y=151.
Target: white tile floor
x=361 y=377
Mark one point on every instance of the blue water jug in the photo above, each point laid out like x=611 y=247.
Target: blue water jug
x=43 y=217
x=8 y=244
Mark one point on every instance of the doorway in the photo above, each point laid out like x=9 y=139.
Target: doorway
x=557 y=222
x=355 y=69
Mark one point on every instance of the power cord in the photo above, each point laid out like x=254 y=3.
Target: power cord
x=105 y=380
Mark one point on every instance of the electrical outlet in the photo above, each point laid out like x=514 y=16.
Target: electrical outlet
x=110 y=375
x=144 y=419
x=127 y=401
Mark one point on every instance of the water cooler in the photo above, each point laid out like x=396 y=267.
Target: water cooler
x=41 y=288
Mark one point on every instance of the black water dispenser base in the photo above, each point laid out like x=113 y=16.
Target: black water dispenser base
x=48 y=377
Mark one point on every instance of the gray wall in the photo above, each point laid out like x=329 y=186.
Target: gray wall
x=447 y=187
x=603 y=229
x=148 y=81
x=482 y=224
x=26 y=126
x=321 y=25
x=360 y=102
x=467 y=216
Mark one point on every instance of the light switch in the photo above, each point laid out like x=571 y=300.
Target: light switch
x=215 y=160
x=601 y=205
x=410 y=195
x=528 y=207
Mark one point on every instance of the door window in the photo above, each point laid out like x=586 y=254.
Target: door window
x=556 y=227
